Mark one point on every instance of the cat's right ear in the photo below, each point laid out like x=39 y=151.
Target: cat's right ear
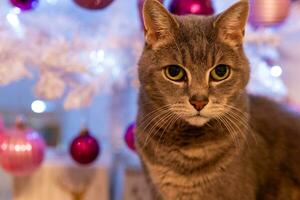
x=159 y=24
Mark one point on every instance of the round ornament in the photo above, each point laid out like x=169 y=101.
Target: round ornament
x=129 y=137
x=84 y=148
x=2 y=132
x=25 y=5
x=93 y=4
x=22 y=150
x=196 y=7
x=268 y=12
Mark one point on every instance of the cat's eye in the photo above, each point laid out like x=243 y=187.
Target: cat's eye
x=175 y=73
x=220 y=72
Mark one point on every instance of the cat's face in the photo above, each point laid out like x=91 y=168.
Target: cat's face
x=194 y=66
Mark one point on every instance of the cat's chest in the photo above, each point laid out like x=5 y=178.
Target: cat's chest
x=210 y=186
x=204 y=151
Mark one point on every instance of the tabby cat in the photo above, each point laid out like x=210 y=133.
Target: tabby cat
x=199 y=134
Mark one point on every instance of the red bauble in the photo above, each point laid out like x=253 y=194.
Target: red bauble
x=84 y=148
x=22 y=150
x=129 y=137
x=196 y=7
x=140 y=7
x=24 y=5
x=93 y=4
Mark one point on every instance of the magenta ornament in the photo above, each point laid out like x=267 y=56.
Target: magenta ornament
x=25 y=5
x=93 y=4
x=84 y=148
x=196 y=7
x=22 y=150
x=2 y=126
x=265 y=13
x=129 y=137
x=2 y=133
x=140 y=7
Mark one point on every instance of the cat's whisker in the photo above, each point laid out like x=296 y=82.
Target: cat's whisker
x=236 y=130
x=231 y=129
x=235 y=116
x=149 y=115
x=243 y=113
x=245 y=123
x=163 y=120
x=164 y=113
x=160 y=120
x=172 y=120
x=150 y=119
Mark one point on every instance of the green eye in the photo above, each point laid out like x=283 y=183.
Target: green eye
x=175 y=73
x=220 y=72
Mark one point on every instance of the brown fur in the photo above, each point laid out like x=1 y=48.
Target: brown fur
x=239 y=146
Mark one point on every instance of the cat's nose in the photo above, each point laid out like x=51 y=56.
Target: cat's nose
x=199 y=102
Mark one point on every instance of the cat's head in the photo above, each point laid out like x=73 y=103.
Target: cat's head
x=194 y=66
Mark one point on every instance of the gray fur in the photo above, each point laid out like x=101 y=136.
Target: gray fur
x=240 y=147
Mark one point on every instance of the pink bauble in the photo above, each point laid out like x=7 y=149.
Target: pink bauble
x=129 y=137
x=2 y=126
x=140 y=7
x=93 y=4
x=2 y=130
x=22 y=151
x=268 y=12
x=84 y=149
x=196 y=7
x=2 y=139
x=24 y=5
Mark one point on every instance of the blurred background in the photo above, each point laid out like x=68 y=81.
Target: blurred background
x=68 y=89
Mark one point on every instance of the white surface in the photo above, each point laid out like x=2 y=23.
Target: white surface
x=5 y=186
x=60 y=178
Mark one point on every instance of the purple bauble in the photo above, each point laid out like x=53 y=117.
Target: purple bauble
x=84 y=148
x=129 y=136
x=196 y=7
x=93 y=4
x=25 y=5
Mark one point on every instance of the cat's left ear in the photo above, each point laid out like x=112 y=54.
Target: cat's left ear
x=231 y=23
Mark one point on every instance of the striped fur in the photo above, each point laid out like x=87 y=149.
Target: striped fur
x=240 y=147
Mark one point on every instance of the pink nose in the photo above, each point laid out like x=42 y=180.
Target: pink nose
x=199 y=105
x=199 y=101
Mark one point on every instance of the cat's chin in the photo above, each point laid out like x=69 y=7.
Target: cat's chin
x=197 y=121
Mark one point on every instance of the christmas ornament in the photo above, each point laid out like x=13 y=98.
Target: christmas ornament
x=84 y=149
x=129 y=136
x=268 y=12
x=93 y=4
x=196 y=7
x=22 y=150
x=140 y=7
x=24 y=5
x=2 y=132
x=2 y=127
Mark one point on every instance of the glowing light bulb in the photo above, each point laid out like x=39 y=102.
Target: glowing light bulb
x=38 y=106
x=276 y=71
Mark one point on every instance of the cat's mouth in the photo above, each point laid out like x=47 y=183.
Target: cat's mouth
x=197 y=119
